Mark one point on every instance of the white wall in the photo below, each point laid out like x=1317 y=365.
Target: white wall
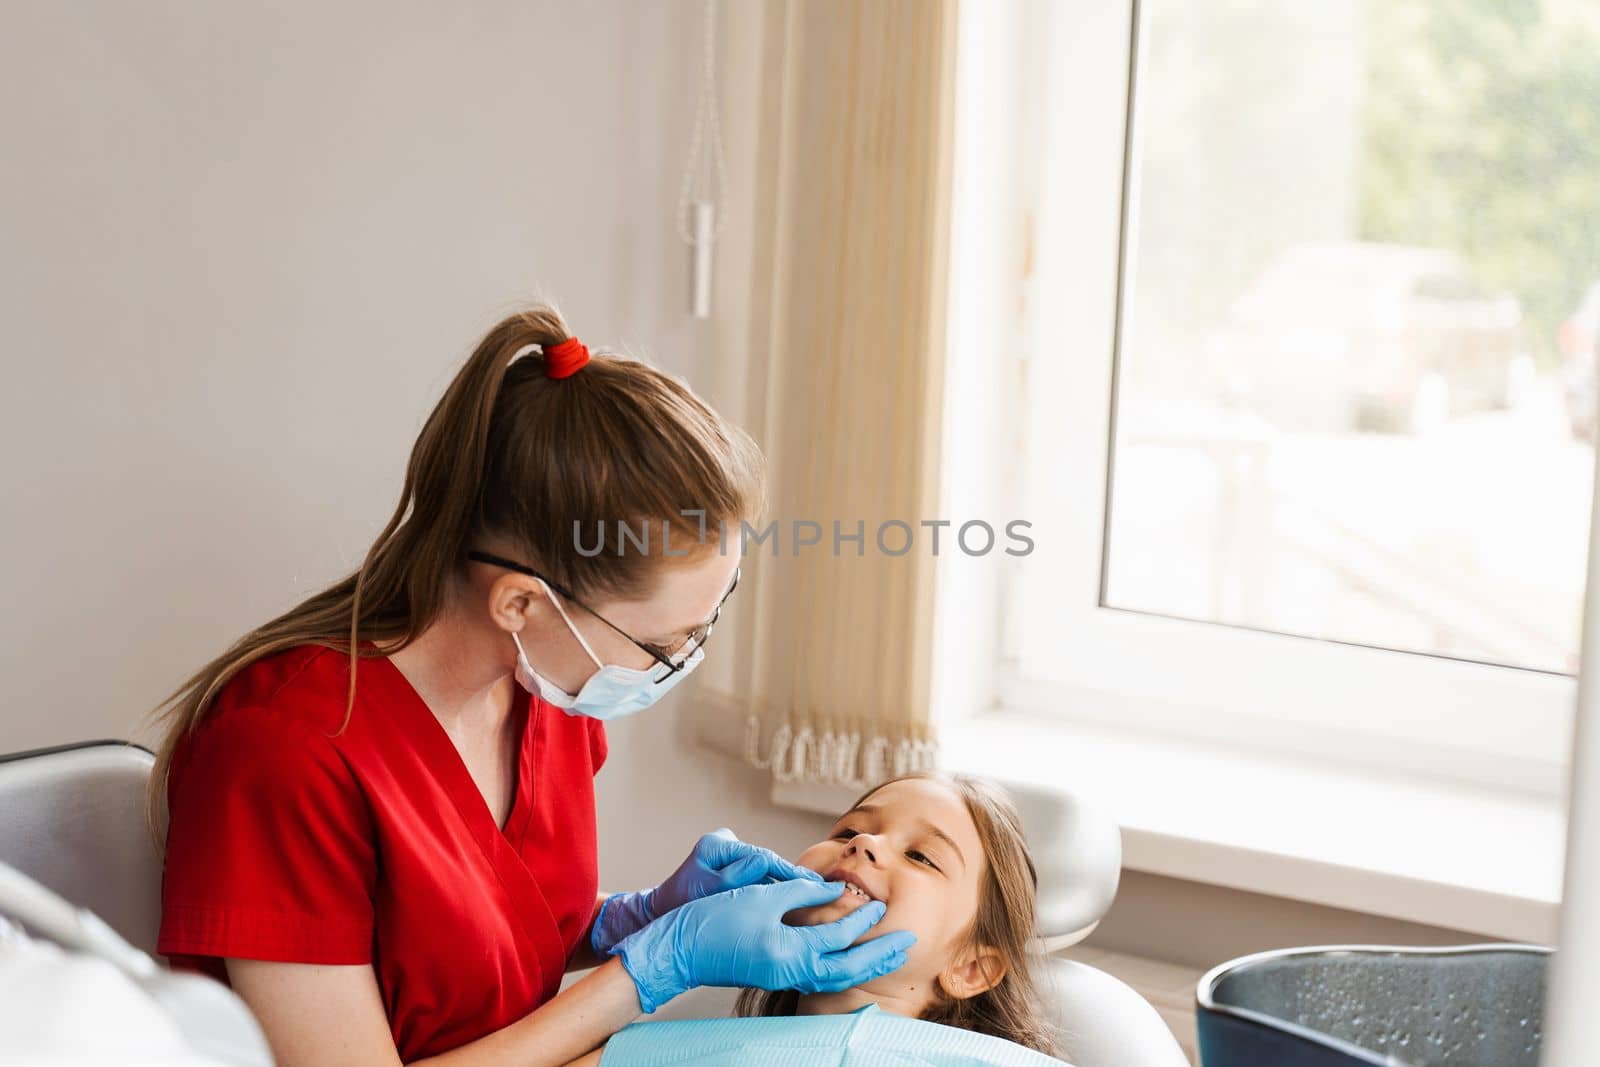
x=244 y=249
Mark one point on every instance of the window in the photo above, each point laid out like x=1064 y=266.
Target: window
x=1323 y=480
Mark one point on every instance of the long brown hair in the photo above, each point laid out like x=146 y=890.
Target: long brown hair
x=512 y=454
x=1006 y=921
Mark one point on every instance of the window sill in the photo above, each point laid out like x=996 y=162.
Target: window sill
x=1431 y=852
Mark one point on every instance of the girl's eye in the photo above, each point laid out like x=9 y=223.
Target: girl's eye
x=844 y=833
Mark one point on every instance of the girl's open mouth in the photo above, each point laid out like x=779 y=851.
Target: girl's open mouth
x=853 y=886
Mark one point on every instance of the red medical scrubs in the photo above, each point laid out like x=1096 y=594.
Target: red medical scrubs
x=374 y=845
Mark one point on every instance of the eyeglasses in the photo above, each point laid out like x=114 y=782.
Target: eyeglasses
x=672 y=659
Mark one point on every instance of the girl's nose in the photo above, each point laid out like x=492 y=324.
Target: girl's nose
x=864 y=844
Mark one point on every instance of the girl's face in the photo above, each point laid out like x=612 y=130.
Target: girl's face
x=911 y=844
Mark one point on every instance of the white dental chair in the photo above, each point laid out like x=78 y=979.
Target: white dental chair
x=1101 y=1021
x=80 y=903
x=72 y=818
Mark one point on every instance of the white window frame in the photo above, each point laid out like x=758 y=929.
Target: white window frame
x=1395 y=711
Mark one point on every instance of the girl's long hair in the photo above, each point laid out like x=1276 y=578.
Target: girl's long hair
x=1006 y=921
x=510 y=453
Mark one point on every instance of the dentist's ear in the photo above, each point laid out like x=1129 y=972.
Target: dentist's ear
x=976 y=970
x=515 y=600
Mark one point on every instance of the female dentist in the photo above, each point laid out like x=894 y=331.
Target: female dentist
x=381 y=803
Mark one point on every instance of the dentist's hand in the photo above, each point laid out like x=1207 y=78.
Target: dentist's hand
x=719 y=862
x=738 y=938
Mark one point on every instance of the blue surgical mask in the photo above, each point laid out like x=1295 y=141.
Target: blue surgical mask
x=611 y=692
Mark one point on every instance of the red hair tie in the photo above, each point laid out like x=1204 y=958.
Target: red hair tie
x=565 y=359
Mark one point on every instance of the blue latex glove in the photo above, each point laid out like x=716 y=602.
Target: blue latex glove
x=719 y=862
x=738 y=938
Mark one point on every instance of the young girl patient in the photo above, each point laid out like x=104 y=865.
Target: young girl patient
x=946 y=856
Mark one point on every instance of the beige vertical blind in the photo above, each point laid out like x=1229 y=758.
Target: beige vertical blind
x=847 y=333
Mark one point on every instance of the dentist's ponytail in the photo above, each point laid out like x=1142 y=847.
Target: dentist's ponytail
x=524 y=448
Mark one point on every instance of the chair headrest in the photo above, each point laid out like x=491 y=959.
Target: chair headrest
x=74 y=820
x=1077 y=850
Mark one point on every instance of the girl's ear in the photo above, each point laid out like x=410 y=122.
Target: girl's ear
x=976 y=970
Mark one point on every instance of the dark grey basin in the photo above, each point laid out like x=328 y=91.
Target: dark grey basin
x=1344 y=1005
